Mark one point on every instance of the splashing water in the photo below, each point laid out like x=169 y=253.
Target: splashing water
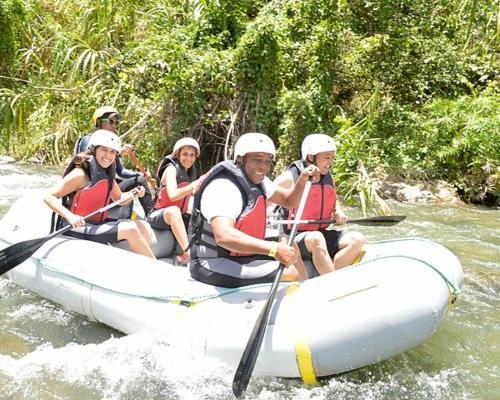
x=49 y=353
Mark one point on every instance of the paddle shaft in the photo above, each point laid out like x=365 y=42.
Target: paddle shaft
x=15 y=254
x=131 y=194
x=380 y=220
x=251 y=352
x=144 y=171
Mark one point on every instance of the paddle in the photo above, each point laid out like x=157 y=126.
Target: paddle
x=249 y=356
x=384 y=220
x=15 y=254
x=144 y=171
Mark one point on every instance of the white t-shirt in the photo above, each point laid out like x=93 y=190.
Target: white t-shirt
x=222 y=198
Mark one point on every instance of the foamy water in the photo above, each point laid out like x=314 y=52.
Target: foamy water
x=47 y=352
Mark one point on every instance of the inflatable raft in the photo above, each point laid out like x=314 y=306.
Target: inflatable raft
x=391 y=301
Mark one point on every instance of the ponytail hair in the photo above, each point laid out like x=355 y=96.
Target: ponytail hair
x=79 y=161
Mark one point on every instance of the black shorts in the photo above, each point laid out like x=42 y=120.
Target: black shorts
x=332 y=238
x=104 y=232
x=156 y=220
x=235 y=271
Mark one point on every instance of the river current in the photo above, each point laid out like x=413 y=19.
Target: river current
x=47 y=352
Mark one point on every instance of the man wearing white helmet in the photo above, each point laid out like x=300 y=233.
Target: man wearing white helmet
x=108 y=118
x=327 y=249
x=89 y=184
x=229 y=219
x=176 y=180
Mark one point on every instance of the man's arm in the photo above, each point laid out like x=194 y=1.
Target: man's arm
x=123 y=172
x=288 y=194
x=232 y=239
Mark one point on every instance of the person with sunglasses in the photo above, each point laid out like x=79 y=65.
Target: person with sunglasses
x=108 y=118
x=328 y=250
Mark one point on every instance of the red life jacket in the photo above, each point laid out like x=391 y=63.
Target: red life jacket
x=252 y=219
x=95 y=194
x=320 y=203
x=183 y=178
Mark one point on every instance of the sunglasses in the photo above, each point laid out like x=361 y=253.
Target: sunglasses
x=111 y=121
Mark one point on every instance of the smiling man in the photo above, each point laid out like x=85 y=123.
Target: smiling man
x=328 y=249
x=229 y=219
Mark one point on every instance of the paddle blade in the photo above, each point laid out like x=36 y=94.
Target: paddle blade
x=247 y=363
x=14 y=255
x=383 y=220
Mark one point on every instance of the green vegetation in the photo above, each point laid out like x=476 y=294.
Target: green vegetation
x=407 y=87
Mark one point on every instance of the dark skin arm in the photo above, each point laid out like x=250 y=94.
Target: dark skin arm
x=227 y=236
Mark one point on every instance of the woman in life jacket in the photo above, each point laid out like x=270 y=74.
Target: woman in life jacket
x=177 y=183
x=108 y=118
x=89 y=184
x=328 y=249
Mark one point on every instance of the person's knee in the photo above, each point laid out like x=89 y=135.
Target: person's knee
x=145 y=230
x=130 y=230
x=315 y=241
x=357 y=240
x=173 y=213
x=140 y=180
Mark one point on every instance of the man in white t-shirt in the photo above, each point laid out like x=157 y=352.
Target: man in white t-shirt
x=229 y=219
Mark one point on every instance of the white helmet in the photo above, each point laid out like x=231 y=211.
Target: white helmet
x=253 y=143
x=103 y=137
x=317 y=143
x=186 y=141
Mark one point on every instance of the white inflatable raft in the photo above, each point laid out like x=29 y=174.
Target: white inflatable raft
x=393 y=300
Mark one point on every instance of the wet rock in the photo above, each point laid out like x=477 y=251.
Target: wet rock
x=446 y=193
x=409 y=191
x=7 y=160
x=35 y=160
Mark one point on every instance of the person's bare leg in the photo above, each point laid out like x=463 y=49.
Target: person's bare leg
x=297 y=272
x=130 y=232
x=294 y=273
x=350 y=245
x=316 y=244
x=146 y=231
x=173 y=217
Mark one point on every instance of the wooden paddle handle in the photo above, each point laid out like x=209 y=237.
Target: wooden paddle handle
x=144 y=171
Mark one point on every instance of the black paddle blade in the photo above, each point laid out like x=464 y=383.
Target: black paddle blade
x=15 y=254
x=249 y=357
x=384 y=220
x=247 y=363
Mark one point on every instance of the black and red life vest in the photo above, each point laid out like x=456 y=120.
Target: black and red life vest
x=96 y=194
x=252 y=218
x=320 y=203
x=183 y=178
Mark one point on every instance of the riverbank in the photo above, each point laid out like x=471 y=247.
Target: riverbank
x=389 y=187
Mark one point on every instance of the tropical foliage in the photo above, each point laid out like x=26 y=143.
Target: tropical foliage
x=409 y=87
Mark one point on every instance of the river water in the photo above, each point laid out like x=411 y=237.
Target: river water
x=47 y=352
